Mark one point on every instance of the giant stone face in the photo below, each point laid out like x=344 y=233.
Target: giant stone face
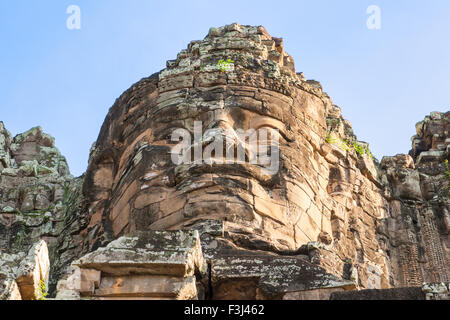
x=138 y=186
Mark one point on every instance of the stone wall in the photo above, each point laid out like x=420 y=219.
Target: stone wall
x=34 y=182
x=418 y=194
x=38 y=200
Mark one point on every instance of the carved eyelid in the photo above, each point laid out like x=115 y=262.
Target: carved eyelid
x=268 y=122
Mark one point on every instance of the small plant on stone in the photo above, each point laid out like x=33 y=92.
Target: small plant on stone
x=42 y=290
x=358 y=148
x=225 y=65
x=338 y=142
x=447 y=177
x=361 y=150
x=347 y=145
x=447 y=170
x=331 y=139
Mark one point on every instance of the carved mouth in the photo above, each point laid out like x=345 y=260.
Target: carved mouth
x=190 y=172
x=265 y=173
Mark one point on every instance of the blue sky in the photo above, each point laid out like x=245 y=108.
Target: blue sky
x=66 y=80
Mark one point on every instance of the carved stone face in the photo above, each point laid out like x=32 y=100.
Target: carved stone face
x=137 y=184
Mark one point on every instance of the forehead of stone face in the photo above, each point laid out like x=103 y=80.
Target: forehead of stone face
x=236 y=112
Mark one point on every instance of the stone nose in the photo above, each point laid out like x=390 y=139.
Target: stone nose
x=221 y=134
x=223 y=129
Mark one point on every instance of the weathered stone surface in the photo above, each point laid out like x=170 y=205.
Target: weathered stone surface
x=404 y=179
x=9 y=289
x=140 y=286
x=413 y=293
x=37 y=196
x=432 y=291
x=315 y=294
x=175 y=253
x=263 y=276
x=25 y=276
x=418 y=194
x=436 y=291
x=152 y=264
x=431 y=138
x=33 y=271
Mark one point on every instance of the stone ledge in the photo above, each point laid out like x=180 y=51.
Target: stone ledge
x=436 y=291
x=175 y=253
x=141 y=265
x=269 y=276
x=381 y=294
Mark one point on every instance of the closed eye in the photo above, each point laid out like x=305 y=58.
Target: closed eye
x=271 y=124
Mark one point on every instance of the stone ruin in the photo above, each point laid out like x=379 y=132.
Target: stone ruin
x=332 y=223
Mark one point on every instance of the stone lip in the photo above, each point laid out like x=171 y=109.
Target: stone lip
x=174 y=253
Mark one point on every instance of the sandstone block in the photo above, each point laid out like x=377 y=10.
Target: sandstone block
x=151 y=252
x=34 y=269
